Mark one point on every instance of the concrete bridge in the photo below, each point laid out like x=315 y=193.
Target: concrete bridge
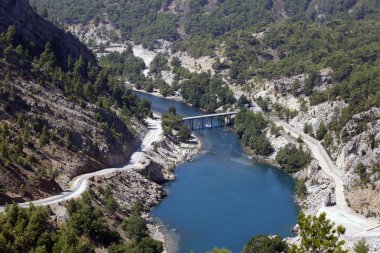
x=211 y=120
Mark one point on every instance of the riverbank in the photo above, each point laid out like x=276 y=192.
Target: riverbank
x=177 y=97
x=145 y=181
x=161 y=162
x=321 y=190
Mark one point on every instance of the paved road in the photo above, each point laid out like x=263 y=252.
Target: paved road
x=357 y=226
x=80 y=183
x=324 y=160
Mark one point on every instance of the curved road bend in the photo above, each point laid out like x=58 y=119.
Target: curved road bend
x=80 y=183
x=357 y=226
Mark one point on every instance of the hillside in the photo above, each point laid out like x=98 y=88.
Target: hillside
x=146 y=21
x=312 y=63
x=34 y=32
x=61 y=115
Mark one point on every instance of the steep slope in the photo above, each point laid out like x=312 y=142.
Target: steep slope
x=60 y=115
x=33 y=31
x=146 y=21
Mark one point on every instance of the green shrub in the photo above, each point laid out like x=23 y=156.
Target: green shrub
x=265 y=244
x=292 y=159
x=250 y=127
x=321 y=132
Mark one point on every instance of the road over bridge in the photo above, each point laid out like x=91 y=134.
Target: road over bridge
x=211 y=120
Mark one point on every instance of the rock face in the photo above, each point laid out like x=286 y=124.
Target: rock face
x=357 y=144
x=37 y=30
x=320 y=188
x=165 y=155
x=359 y=147
x=129 y=187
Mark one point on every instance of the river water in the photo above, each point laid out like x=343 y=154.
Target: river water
x=223 y=197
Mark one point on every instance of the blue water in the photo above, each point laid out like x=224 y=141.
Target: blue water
x=223 y=198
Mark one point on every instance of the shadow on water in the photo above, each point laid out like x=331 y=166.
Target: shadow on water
x=223 y=198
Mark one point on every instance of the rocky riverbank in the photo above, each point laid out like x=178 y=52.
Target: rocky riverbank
x=144 y=183
x=320 y=189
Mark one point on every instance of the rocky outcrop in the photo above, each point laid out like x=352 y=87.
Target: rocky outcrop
x=320 y=188
x=32 y=28
x=322 y=113
x=165 y=155
x=129 y=187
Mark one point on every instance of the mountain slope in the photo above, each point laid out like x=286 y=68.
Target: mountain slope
x=60 y=114
x=149 y=20
x=33 y=32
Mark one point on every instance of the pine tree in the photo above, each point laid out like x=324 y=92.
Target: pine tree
x=43 y=137
x=318 y=234
x=361 y=246
x=47 y=59
x=321 y=132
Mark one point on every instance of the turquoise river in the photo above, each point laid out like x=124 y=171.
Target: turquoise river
x=223 y=198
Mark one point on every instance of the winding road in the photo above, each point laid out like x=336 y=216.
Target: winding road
x=357 y=226
x=80 y=183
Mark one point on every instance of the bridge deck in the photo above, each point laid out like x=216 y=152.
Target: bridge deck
x=210 y=115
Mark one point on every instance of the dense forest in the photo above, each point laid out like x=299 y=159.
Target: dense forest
x=148 y=20
x=139 y=20
x=31 y=230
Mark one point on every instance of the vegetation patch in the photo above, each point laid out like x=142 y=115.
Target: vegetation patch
x=250 y=127
x=292 y=159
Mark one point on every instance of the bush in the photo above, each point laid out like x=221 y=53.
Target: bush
x=110 y=202
x=250 y=127
x=263 y=104
x=321 y=132
x=265 y=244
x=292 y=159
x=300 y=187
x=361 y=246
x=135 y=227
x=170 y=120
x=361 y=170
x=184 y=133
x=308 y=129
